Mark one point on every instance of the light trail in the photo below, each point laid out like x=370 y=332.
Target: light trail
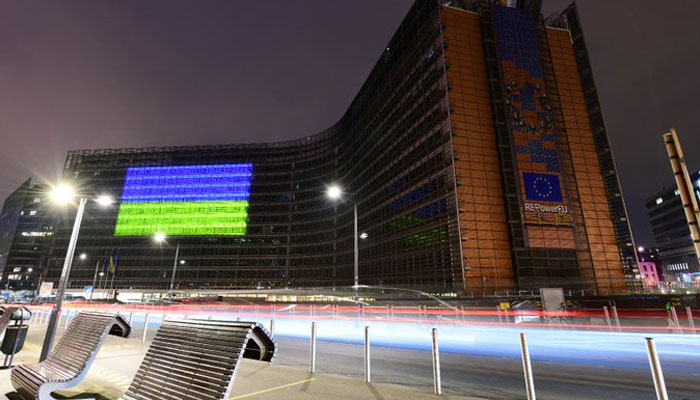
x=469 y=332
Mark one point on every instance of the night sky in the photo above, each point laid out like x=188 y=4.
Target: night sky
x=87 y=74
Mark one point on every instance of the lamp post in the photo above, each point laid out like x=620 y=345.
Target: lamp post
x=335 y=193
x=160 y=238
x=64 y=194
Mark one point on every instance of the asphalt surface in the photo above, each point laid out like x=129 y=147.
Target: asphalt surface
x=491 y=378
x=402 y=373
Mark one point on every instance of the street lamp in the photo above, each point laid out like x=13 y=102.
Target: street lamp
x=160 y=237
x=63 y=194
x=83 y=256
x=334 y=192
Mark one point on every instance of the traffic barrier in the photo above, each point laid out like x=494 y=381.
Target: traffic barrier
x=617 y=318
x=607 y=317
x=676 y=322
x=527 y=368
x=691 y=322
x=656 y=372
x=368 y=370
x=145 y=328
x=437 y=382
x=312 y=361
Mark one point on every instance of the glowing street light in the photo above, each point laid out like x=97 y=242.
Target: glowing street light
x=83 y=256
x=334 y=192
x=104 y=200
x=64 y=194
x=364 y=235
x=159 y=237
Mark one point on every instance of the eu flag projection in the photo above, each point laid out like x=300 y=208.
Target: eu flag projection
x=542 y=187
x=190 y=200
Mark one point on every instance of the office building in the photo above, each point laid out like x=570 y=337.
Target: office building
x=671 y=234
x=475 y=152
x=25 y=234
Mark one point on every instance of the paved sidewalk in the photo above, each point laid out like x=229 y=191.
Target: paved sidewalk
x=118 y=360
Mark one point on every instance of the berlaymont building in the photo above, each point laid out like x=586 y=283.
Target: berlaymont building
x=475 y=155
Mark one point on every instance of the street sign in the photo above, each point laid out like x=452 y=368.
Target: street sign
x=46 y=288
x=88 y=290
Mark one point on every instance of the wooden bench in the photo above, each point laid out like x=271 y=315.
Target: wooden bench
x=70 y=360
x=193 y=359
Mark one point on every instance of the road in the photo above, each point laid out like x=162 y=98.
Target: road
x=484 y=361
x=492 y=378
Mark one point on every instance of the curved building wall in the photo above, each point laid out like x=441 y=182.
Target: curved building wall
x=474 y=156
x=391 y=153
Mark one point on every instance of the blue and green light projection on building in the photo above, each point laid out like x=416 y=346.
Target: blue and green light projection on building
x=191 y=200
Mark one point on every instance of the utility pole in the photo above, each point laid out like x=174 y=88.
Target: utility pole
x=685 y=187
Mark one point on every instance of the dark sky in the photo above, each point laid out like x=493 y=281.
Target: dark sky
x=85 y=74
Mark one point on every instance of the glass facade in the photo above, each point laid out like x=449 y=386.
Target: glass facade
x=25 y=236
x=457 y=152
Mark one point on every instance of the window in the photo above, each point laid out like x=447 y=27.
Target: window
x=659 y=200
x=32 y=212
x=16 y=269
x=677 y=192
x=37 y=199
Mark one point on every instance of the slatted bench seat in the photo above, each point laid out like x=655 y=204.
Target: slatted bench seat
x=193 y=359
x=70 y=360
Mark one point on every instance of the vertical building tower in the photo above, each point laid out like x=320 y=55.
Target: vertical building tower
x=25 y=232
x=539 y=199
x=475 y=152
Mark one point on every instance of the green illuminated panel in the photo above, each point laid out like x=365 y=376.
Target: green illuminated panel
x=206 y=218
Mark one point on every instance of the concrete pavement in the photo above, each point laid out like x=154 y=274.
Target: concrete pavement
x=118 y=360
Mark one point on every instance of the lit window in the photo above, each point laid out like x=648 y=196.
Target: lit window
x=659 y=200
x=14 y=277
x=16 y=269
x=677 y=192
x=33 y=212
x=37 y=200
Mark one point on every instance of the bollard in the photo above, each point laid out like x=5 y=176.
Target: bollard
x=498 y=312
x=272 y=327
x=617 y=318
x=461 y=309
x=691 y=323
x=312 y=363
x=656 y=372
x=437 y=382
x=131 y=317
x=527 y=368
x=676 y=321
x=607 y=317
x=145 y=328
x=368 y=367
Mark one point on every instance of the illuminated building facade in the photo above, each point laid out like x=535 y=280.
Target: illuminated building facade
x=475 y=151
x=25 y=234
x=676 y=253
